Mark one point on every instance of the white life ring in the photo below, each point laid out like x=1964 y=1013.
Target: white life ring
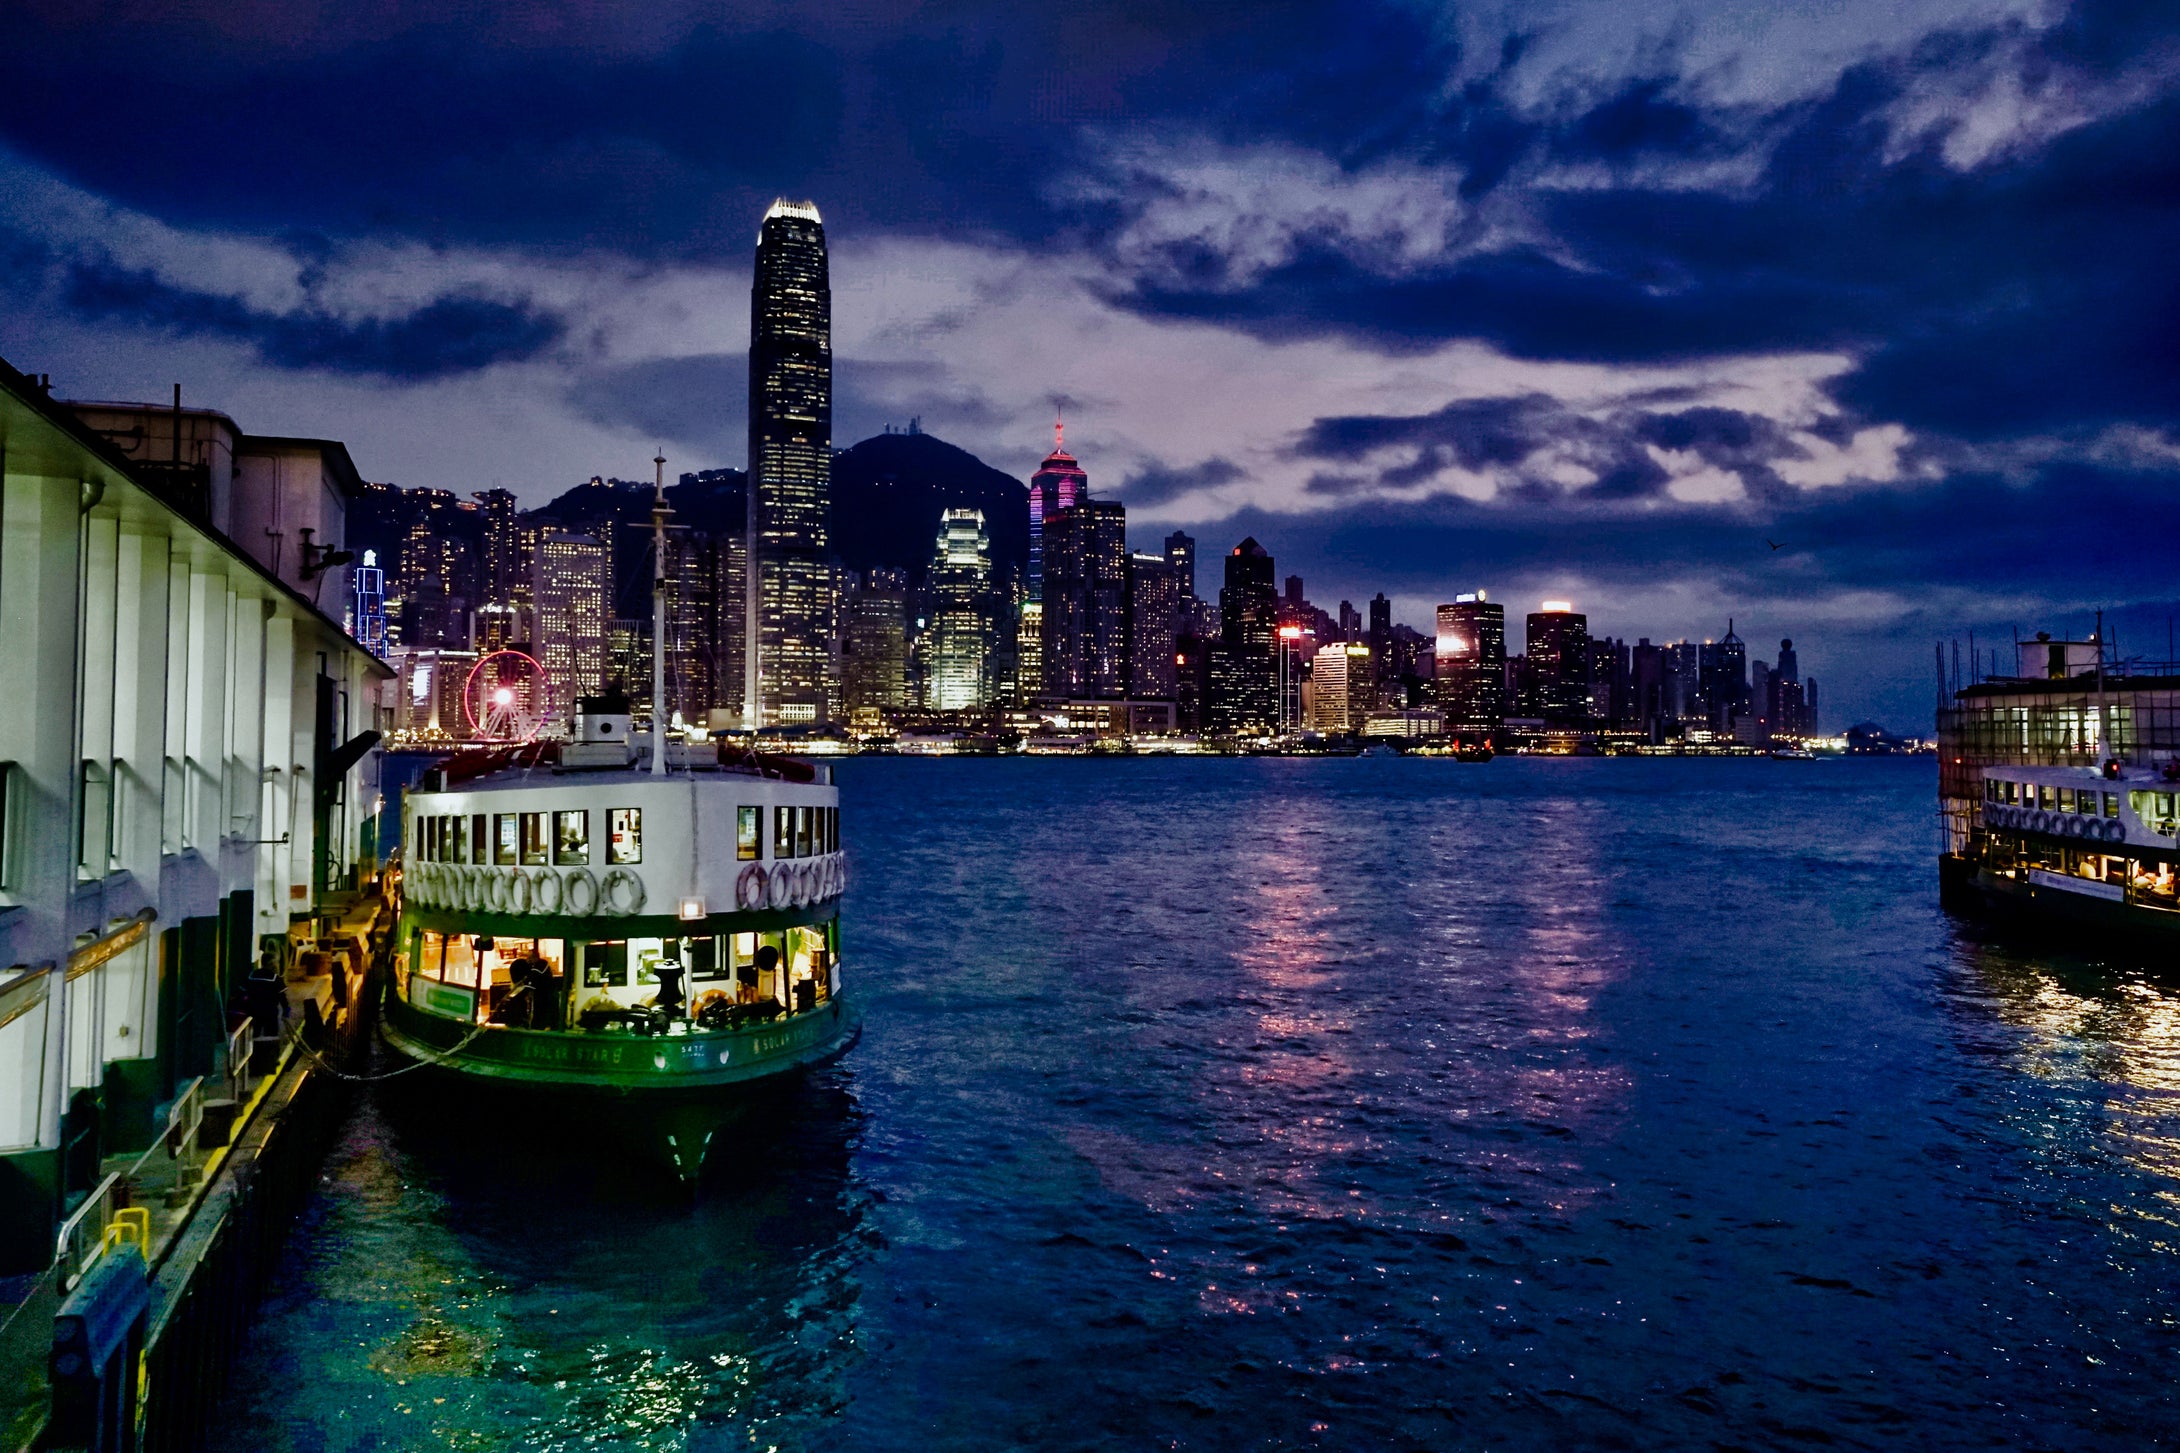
x=782 y=886
x=472 y=894
x=548 y=894
x=840 y=873
x=495 y=892
x=521 y=892
x=2114 y=830
x=621 y=892
x=582 y=893
x=416 y=883
x=749 y=889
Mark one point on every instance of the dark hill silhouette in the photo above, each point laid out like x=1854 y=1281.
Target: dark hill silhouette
x=888 y=494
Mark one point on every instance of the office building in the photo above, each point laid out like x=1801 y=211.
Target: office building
x=874 y=643
x=504 y=575
x=1059 y=483
x=1244 y=663
x=367 y=610
x=1611 y=683
x=788 y=617
x=1558 y=653
x=572 y=587
x=1181 y=555
x=1086 y=601
x=1470 y=661
x=1339 y=687
x=1154 y=596
x=962 y=622
x=1722 y=668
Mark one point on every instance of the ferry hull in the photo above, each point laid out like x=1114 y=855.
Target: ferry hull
x=1970 y=890
x=667 y=1096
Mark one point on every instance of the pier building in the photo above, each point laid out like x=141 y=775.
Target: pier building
x=186 y=769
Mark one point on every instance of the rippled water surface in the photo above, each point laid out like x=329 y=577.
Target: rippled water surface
x=1349 y=1104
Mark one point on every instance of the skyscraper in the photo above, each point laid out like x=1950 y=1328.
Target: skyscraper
x=1339 y=687
x=1470 y=661
x=874 y=648
x=1154 y=592
x=1086 y=600
x=1244 y=664
x=789 y=606
x=1181 y=555
x=1058 y=483
x=503 y=573
x=1559 y=663
x=962 y=616
x=572 y=589
x=1723 y=667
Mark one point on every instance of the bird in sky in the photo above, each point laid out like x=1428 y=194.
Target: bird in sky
x=1774 y=544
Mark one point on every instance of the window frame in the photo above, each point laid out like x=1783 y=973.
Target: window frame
x=749 y=837
x=579 y=857
x=615 y=816
x=543 y=856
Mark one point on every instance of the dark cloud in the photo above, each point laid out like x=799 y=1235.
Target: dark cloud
x=1157 y=485
x=448 y=335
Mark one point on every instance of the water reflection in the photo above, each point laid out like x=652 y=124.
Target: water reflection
x=504 y=1284
x=2106 y=1038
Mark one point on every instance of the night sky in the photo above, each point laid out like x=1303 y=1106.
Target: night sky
x=1587 y=298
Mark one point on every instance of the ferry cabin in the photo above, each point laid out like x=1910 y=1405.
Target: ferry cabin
x=618 y=903
x=2112 y=835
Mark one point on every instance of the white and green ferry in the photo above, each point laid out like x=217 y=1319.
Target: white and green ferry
x=598 y=917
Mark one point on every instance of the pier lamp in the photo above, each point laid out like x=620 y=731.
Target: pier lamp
x=692 y=910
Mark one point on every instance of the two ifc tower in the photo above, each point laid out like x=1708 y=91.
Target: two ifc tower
x=786 y=624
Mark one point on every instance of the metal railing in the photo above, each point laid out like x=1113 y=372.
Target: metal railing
x=82 y=1238
x=237 y=1066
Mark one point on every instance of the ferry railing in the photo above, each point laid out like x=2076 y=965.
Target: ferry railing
x=237 y=1068
x=82 y=1238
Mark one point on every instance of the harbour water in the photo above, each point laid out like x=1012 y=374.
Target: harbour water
x=1276 y=1103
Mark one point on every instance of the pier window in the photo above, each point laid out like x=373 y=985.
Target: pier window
x=571 y=837
x=747 y=832
x=533 y=840
x=503 y=839
x=783 y=832
x=624 y=835
x=480 y=837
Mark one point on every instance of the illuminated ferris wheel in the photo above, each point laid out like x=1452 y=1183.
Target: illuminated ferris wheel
x=507 y=698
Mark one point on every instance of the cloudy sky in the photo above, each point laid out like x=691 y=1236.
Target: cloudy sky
x=1588 y=298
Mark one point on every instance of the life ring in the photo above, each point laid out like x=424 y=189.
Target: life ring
x=521 y=892
x=782 y=886
x=582 y=893
x=415 y=883
x=547 y=893
x=2114 y=830
x=621 y=892
x=495 y=892
x=840 y=874
x=812 y=881
x=749 y=889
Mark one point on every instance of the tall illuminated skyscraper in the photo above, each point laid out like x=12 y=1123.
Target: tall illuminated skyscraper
x=1471 y=660
x=789 y=606
x=959 y=676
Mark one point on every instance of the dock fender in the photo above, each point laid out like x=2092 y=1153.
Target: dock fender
x=582 y=894
x=548 y=894
x=621 y=891
x=749 y=889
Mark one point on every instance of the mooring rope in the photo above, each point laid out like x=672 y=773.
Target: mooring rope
x=438 y=1058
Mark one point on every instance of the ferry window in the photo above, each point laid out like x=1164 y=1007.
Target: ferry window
x=802 y=832
x=1990 y=790
x=624 y=842
x=428 y=849
x=503 y=838
x=461 y=961
x=832 y=829
x=430 y=948
x=2111 y=804
x=533 y=839
x=2066 y=799
x=2136 y=801
x=605 y=965
x=2164 y=804
x=783 y=832
x=571 y=837
x=702 y=957
x=480 y=829
x=746 y=833
x=456 y=840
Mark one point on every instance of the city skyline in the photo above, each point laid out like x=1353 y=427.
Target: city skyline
x=1597 y=301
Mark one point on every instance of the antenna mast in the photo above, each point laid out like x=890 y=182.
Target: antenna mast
x=658 y=620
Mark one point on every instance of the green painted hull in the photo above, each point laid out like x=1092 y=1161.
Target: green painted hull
x=616 y=1063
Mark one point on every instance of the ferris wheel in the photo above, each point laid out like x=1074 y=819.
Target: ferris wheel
x=507 y=698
